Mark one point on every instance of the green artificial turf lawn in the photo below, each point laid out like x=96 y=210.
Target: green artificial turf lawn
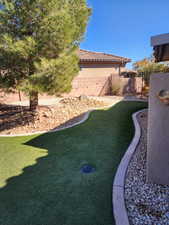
x=40 y=178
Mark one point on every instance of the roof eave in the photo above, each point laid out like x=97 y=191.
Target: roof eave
x=107 y=61
x=161 y=39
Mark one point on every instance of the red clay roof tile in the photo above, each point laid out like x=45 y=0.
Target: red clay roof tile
x=99 y=56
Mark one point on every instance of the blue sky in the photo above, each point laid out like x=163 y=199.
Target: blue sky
x=124 y=27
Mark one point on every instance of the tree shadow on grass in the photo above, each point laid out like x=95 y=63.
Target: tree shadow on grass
x=54 y=191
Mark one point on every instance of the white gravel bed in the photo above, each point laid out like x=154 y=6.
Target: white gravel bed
x=146 y=204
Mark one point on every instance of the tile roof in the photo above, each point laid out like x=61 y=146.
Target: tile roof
x=101 y=57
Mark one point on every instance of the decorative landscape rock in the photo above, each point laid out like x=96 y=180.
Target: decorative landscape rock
x=83 y=97
x=147 y=204
x=67 y=112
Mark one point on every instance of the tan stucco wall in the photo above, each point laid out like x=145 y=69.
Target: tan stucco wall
x=92 y=78
x=122 y=68
x=158 y=132
x=90 y=70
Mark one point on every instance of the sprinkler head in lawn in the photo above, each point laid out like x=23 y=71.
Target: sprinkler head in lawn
x=87 y=169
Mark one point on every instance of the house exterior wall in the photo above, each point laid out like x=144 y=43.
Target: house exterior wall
x=90 y=83
x=97 y=69
x=93 y=79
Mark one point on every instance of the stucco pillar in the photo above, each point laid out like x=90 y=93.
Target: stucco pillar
x=158 y=132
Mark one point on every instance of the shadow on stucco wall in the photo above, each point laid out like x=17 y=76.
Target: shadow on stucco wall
x=129 y=87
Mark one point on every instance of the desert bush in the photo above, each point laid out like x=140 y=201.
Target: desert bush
x=147 y=66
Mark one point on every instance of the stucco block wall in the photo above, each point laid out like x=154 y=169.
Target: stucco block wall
x=133 y=85
x=128 y=85
x=158 y=132
x=92 y=85
x=93 y=79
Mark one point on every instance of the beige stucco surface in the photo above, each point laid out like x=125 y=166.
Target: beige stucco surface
x=93 y=79
x=89 y=70
x=158 y=132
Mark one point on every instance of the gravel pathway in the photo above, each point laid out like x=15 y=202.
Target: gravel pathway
x=146 y=204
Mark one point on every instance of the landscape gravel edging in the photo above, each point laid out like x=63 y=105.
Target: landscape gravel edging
x=119 y=208
x=86 y=116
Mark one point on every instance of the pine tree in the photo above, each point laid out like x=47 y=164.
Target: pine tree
x=38 y=45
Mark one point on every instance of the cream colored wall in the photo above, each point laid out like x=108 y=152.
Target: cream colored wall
x=122 y=68
x=98 y=70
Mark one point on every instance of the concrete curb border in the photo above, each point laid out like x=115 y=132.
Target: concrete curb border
x=119 y=208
